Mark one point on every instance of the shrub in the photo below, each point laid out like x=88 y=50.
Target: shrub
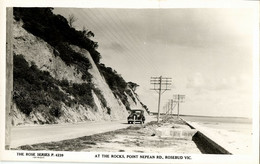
x=116 y=83
x=55 y=110
x=64 y=83
x=128 y=91
x=33 y=87
x=55 y=29
x=108 y=110
x=81 y=92
x=70 y=57
x=23 y=102
x=100 y=97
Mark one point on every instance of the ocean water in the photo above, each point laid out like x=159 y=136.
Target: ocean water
x=231 y=124
x=233 y=133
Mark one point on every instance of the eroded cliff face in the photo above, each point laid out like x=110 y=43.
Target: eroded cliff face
x=38 y=52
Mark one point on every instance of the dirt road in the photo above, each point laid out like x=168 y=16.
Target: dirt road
x=27 y=135
x=168 y=136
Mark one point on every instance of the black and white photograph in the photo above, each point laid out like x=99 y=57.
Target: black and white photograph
x=125 y=84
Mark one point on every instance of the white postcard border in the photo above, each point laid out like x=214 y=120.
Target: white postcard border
x=12 y=155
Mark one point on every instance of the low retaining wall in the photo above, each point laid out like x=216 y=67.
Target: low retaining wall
x=208 y=146
x=205 y=144
x=176 y=133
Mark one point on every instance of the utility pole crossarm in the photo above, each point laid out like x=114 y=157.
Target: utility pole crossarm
x=160 y=85
x=178 y=99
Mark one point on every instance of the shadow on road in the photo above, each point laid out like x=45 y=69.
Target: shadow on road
x=132 y=124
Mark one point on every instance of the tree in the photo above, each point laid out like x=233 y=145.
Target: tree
x=87 y=33
x=95 y=45
x=90 y=34
x=84 y=30
x=71 y=20
x=132 y=85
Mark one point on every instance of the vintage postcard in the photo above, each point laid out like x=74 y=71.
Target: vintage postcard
x=130 y=81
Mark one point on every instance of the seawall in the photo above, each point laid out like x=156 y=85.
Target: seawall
x=205 y=142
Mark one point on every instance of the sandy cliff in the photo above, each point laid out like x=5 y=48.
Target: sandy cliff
x=38 y=52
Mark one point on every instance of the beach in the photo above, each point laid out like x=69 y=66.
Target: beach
x=232 y=133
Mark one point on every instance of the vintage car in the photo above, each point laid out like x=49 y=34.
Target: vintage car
x=136 y=115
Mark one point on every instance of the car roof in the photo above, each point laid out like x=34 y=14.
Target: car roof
x=136 y=110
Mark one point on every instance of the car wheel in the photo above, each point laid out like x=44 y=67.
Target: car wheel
x=129 y=122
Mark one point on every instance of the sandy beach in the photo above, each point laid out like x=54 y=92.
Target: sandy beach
x=233 y=134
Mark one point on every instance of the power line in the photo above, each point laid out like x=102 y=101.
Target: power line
x=99 y=16
x=178 y=99
x=160 y=85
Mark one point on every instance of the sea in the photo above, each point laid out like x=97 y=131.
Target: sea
x=232 y=124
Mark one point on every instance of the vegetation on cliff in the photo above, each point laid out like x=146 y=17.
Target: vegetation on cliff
x=38 y=90
x=116 y=83
x=54 y=29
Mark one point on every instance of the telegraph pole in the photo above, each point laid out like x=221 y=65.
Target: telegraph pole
x=178 y=99
x=168 y=106
x=159 y=101
x=172 y=106
x=160 y=86
x=9 y=76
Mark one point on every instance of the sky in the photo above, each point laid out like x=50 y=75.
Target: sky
x=206 y=51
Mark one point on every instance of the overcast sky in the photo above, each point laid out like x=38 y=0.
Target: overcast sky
x=207 y=53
